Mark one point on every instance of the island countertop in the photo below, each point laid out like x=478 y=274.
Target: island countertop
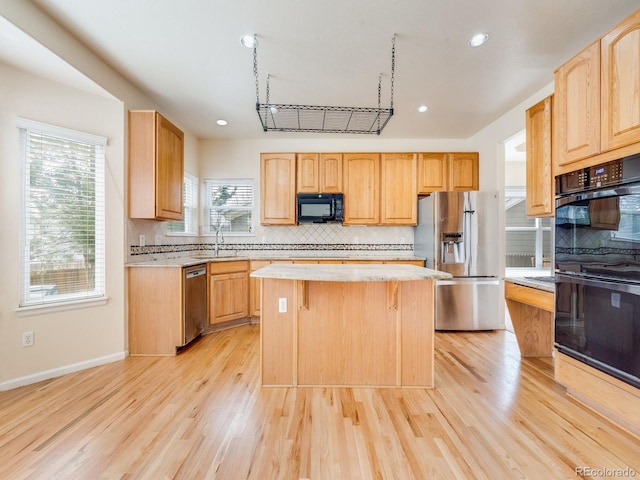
x=349 y=273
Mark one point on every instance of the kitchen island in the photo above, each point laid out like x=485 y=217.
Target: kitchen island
x=347 y=325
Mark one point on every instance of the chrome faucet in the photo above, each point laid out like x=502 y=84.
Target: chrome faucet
x=219 y=236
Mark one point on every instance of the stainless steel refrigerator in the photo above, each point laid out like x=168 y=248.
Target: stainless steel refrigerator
x=457 y=232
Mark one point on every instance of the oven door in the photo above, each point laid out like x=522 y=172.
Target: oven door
x=598 y=233
x=598 y=323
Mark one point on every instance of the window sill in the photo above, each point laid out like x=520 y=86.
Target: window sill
x=43 y=309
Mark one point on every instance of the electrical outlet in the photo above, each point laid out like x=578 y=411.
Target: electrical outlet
x=264 y=239
x=158 y=239
x=355 y=240
x=141 y=242
x=27 y=339
x=402 y=240
x=282 y=305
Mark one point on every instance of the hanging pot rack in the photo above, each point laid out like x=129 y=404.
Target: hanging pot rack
x=282 y=117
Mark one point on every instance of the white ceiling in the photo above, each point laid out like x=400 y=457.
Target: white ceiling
x=187 y=55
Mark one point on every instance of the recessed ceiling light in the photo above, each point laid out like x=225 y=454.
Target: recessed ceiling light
x=478 y=39
x=249 y=41
x=221 y=122
x=423 y=108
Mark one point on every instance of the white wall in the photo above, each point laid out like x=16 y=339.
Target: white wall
x=83 y=336
x=75 y=339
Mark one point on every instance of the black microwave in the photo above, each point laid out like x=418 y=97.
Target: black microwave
x=320 y=207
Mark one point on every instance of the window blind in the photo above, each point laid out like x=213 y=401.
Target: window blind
x=229 y=206
x=189 y=224
x=62 y=228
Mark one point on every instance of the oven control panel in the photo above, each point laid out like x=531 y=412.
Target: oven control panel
x=618 y=172
x=604 y=175
x=572 y=182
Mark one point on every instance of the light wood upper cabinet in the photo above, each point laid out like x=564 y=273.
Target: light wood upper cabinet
x=447 y=171
x=330 y=169
x=433 y=172
x=399 y=192
x=577 y=106
x=308 y=180
x=156 y=167
x=278 y=189
x=620 y=101
x=361 y=177
x=319 y=173
x=540 y=180
x=463 y=171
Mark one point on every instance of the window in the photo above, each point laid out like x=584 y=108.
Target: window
x=528 y=239
x=62 y=228
x=189 y=224
x=228 y=206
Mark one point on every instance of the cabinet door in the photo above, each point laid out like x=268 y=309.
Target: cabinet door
x=620 y=50
x=540 y=184
x=577 y=107
x=228 y=297
x=155 y=177
x=362 y=188
x=307 y=166
x=278 y=189
x=254 y=288
x=330 y=173
x=399 y=196
x=463 y=171
x=433 y=172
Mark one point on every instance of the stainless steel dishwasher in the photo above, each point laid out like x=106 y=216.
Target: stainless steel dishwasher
x=194 y=301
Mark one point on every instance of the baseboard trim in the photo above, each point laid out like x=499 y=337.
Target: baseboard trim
x=60 y=371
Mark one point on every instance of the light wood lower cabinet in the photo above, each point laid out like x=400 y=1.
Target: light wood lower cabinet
x=531 y=312
x=254 y=288
x=228 y=291
x=348 y=333
x=603 y=393
x=155 y=310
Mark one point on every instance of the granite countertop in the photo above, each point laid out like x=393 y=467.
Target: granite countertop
x=183 y=261
x=197 y=259
x=348 y=273
x=540 y=283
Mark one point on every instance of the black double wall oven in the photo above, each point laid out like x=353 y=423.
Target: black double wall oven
x=597 y=263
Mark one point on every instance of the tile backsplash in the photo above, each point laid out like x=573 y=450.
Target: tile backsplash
x=308 y=239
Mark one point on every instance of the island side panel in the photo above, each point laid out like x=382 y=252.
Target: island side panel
x=277 y=333
x=417 y=333
x=347 y=335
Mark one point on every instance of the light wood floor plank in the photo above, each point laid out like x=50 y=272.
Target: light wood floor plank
x=203 y=415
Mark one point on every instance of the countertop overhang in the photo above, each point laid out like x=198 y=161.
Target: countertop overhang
x=187 y=261
x=349 y=273
x=532 y=283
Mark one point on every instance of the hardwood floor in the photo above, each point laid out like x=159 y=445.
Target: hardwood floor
x=203 y=415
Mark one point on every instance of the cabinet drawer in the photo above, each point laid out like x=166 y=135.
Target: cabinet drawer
x=228 y=267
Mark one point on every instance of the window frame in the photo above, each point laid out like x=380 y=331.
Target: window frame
x=187 y=208
x=206 y=195
x=520 y=194
x=83 y=298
